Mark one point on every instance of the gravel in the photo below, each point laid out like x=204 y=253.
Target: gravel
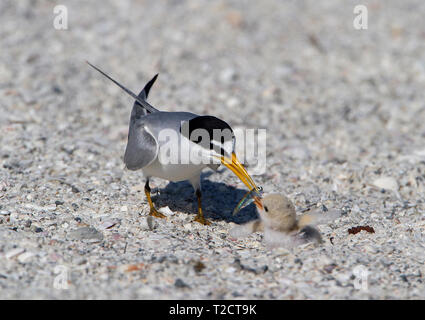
x=344 y=112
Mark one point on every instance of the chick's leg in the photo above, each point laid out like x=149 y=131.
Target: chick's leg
x=153 y=212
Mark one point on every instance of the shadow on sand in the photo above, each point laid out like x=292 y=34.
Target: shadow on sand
x=218 y=200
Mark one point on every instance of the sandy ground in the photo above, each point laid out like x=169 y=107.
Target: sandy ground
x=344 y=111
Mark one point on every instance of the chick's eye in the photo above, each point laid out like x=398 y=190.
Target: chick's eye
x=265 y=208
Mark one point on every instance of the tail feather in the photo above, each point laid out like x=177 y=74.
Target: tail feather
x=145 y=92
x=144 y=95
x=141 y=101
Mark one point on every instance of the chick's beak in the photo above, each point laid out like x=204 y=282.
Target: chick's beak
x=258 y=203
x=237 y=168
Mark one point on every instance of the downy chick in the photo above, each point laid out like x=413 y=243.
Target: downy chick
x=278 y=221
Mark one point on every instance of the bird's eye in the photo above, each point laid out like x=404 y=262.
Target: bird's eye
x=265 y=208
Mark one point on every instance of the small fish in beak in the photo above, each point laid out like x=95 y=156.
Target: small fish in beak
x=254 y=195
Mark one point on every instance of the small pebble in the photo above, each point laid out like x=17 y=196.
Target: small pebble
x=166 y=211
x=179 y=283
x=25 y=257
x=86 y=233
x=386 y=183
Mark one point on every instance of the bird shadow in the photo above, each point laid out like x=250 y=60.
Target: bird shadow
x=218 y=200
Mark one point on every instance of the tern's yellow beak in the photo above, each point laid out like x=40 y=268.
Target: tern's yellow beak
x=238 y=169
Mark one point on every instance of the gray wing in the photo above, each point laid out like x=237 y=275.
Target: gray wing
x=142 y=147
x=157 y=121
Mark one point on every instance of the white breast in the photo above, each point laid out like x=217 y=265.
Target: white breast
x=179 y=159
x=172 y=172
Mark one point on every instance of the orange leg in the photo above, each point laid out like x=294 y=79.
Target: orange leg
x=153 y=212
x=200 y=216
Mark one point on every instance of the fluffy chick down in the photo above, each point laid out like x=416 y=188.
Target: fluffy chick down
x=280 y=225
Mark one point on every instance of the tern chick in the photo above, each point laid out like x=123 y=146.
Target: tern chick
x=279 y=222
